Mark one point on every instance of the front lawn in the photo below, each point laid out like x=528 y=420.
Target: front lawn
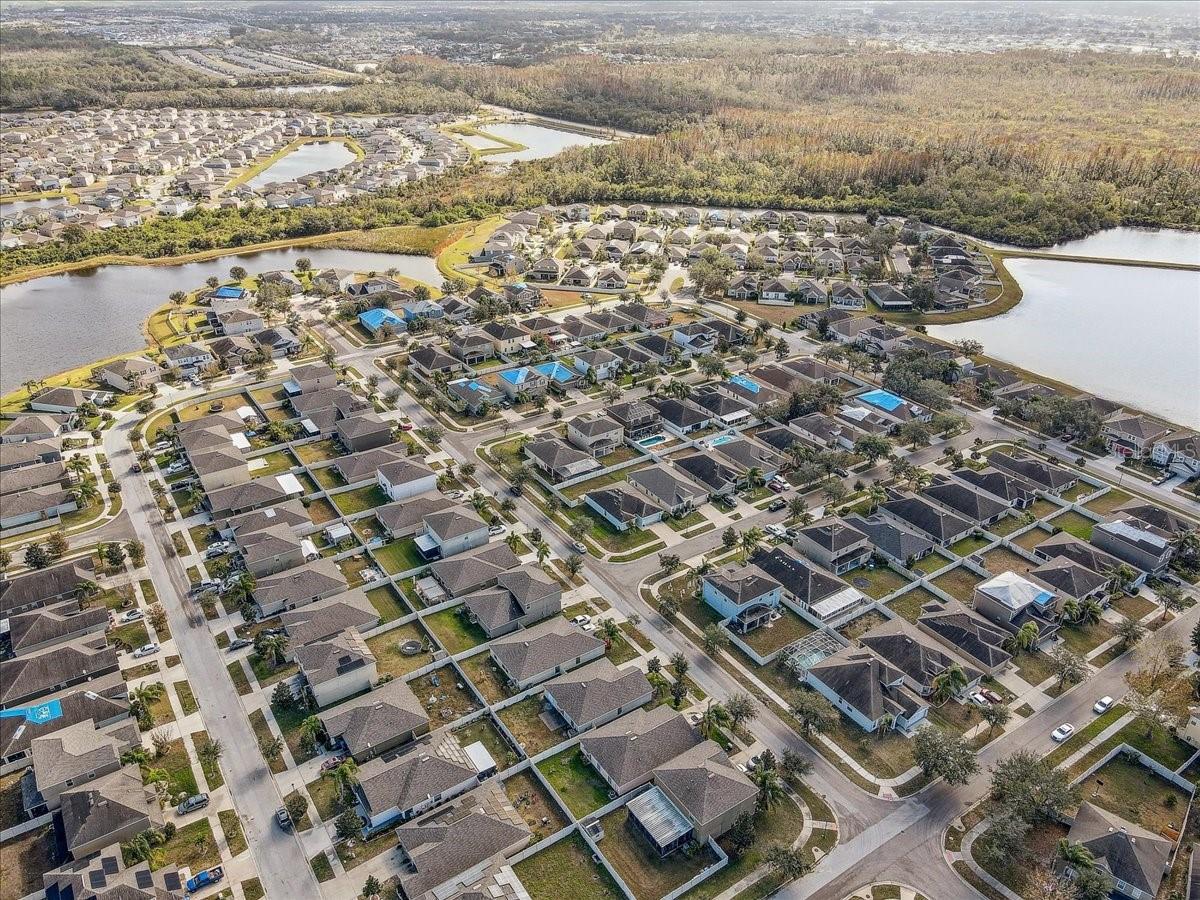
x=267 y=674
x=399 y=556
x=232 y=827
x=647 y=874
x=566 y=870
x=1136 y=608
x=876 y=582
x=263 y=733
x=534 y=803
x=1034 y=668
x=524 y=722
x=1083 y=639
x=187 y=700
x=779 y=825
x=607 y=537
x=192 y=846
x=575 y=781
x=683 y=523
x=452 y=628
x=389 y=660
x=237 y=672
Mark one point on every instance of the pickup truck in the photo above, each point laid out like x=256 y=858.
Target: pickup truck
x=205 y=878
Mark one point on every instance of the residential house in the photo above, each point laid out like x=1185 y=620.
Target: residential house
x=337 y=668
x=1136 y=859
x=888 y=298
x=847 y=296
x=34 y=428
x=681 y=416
x=807 y=587
x=597 y=693
x=1132 y=435
x=391 y=791
x=429 y=361
x=901 y=545
x=867 y=690
x=623 y=509
x=187 y=358
x=1016 y=492
x=626 y=752
x=553 y=647
x=717 y=477
x=108 y=810
x=943 y=527
x=743 y=595
x=405 y=478
x=44 y=587
x=1138 y=544
x=1178 y=453
x=967 y=634
x=674 y=494
x=130 y=375
x=365 y=431
x=638 y=418
x=502 y=601
x=524 y=381
x=1011 y=600
x=298 y=587
x=595 y=434
x=32 y=676
x=378 y=722
x=476 y=569
x=915 y=655
x=833 y=543
x=969 y=502
x=72 y=756
x=475 y=347
x=559 y=460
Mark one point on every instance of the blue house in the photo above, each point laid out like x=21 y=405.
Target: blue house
x=374 y=319
x=744 y=595
x=422 y=309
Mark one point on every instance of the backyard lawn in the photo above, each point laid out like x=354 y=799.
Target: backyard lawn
x=1135 y=793
x=856 y=628
x=909 y=603
x=787 y=628
x=535 y=804
x=25 y=858
x=1001 y=559
x=318 y=451
x=360 y=499
x=387 y=603
x=929 y=564
x=484 y=675
x=575 y=781
x=1106 y=503
x=453 y=702
x=1029 y=540
x=399 y=556
x=959 y=583
x=524 y=722
x=969 y=545
x=876 y=582
x=451 y=627
x=272 y=464
x=484 y=731
x=566 y=870
x=647 y=874
x=321 y=511
x=1007 y=525
x=1074 y=524
x=389 y=660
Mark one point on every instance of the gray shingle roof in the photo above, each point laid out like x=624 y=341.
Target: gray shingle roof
x=104 y=806
x=631 y=747
x=409 y=780
x=374 y=718
x=545 y=646
x=596 y=689
x=704 y=783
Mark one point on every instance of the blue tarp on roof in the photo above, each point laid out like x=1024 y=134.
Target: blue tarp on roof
x=374 y=319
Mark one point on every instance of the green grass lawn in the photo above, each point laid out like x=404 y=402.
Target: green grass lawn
x=766 y=639
x=360 y=499
x=318 y=451
x=524 y=723
x=1034 y=668
x=192 y=846
x=388 y=603
x=959 y=583
x=575 y=781
x=683 y=523
x=876 y=582
x=451 y=627
x=267 y=674
x=1074 y=524
x=160 y=710
x=969 y=545
x=1030 y=539
x=908 y=604
x=566 y=870
x=131 y=636
x=647 y=874
x=232 y=827
x=607 y=537
x=262 y=732
x=1137 y=795
x=187 y=700
x=1007 y=525
x=322 y=867
x=1106 y=503
x=1134 y=607
x=276 y=462
x=931 y=563
x=399 y=556
x=778 y=825
x=388 y=658
x=328 y=478
x=324 y=794
x=1083 y=639
x=289 y=720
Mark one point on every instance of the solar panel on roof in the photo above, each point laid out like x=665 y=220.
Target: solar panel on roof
x=144 y=879
x=172 y=881
x=96 y=880
x=109 y=864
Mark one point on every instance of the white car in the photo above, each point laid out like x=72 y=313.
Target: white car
x=497 y=530
x=132 y=615
x=1103 y=705
x=978 y=699
x=581 y=620
x=776 y=530
x=145 y=650
x=456 y=495
x=1062 y=732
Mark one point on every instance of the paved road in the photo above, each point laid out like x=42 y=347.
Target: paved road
x=282 y=866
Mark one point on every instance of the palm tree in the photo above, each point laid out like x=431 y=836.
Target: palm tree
x=78 y=465
x=271 y=748
x=754 y=477
x=479 y=503
x=714 y=717
x=311 y=730
x=86 y=588
x=1071 y=610
x=86 y=492
x=749 y=540
x=513 y=540
x=543 y=551
x=610 y=630
x=1090 y=612
x=345 y=776
x=770 y=786
x=876 y=494
x=1075 y=855
x=1025 y=637
x=210 y=753
x=950 y=682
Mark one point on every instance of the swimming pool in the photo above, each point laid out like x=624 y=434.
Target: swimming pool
x=653 y=441
x=722 y=439
x=883 y=399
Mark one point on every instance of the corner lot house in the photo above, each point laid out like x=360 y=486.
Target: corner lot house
x=744 y=595
x=871 y=693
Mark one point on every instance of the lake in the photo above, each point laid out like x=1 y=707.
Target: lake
x=540 y=141
x=304 y=160
x=1129 y=334
x=1151 y=244
x=63 y=321
x=12 y=207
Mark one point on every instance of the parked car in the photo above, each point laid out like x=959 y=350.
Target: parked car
x=456 y=495
x=776 y=505
x=239 y=644
x=192 y=803
x=205 y=878
x=214 y=552
x=146 y=650
x=131 y=615
x=1103 y=705
x=1062 y=732
x=136 y=467
x=579 y=547
x=978 y=698
x=332 y=763
x=776 y=487
x=776 y=530
x=515 y=490
x=581 y=619
x=992 y=696
x=284 y=820
x=784 y=484
x=497 y=530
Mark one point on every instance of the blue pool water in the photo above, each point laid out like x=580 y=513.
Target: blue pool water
x=883 y=399
x=722 y=439
x=652 y=441
x=747 y=383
